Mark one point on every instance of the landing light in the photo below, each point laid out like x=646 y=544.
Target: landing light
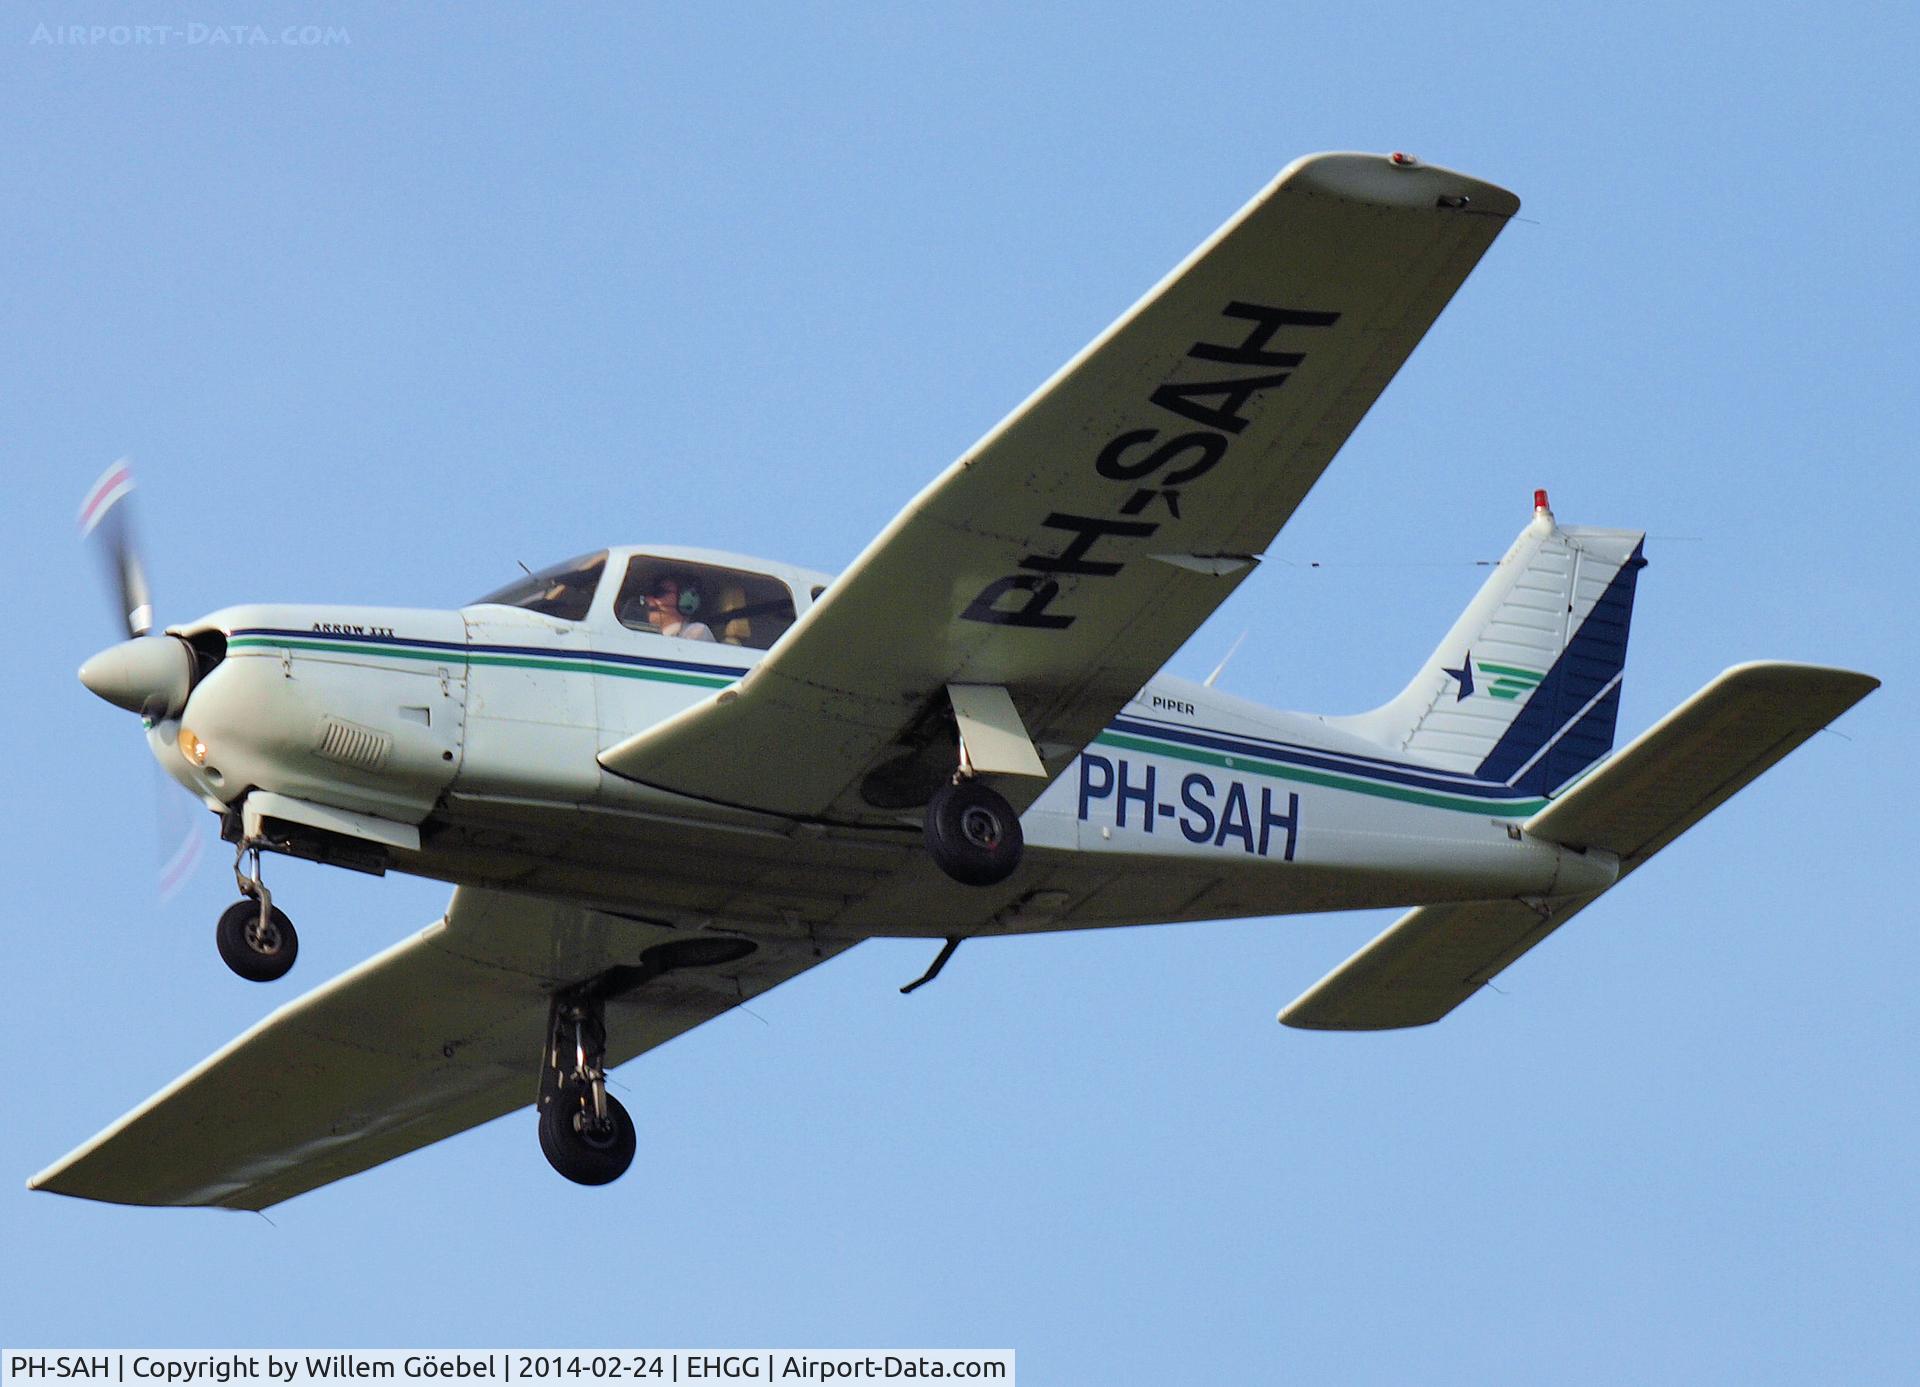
x=192 y=747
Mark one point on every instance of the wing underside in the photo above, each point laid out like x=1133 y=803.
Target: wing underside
x=1071 y=551
x=438 y=1034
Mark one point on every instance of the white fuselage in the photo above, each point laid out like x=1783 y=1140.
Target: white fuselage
x=476 y=732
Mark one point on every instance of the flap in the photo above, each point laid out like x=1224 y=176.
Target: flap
x=1069 y=553
x=438 y=1034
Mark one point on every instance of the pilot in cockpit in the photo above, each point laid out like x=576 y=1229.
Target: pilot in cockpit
x=672 y=606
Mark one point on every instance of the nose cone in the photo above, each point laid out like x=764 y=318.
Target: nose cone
x=151 y=675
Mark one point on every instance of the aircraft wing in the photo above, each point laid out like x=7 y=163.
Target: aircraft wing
x=438 y=1034
x=1668 y=779
x=1071 y=551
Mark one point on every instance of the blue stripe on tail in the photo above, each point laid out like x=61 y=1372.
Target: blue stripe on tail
x=1553 y=740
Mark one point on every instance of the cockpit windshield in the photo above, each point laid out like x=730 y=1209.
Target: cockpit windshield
x=564 y=590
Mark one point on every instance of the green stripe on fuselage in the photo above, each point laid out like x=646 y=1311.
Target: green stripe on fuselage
x=1504 y=809
x=565 y=664
x=583 y=664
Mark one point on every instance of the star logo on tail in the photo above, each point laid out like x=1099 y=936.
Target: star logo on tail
x=1464 y=674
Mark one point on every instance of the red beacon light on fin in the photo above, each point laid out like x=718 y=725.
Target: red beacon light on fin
x=1540 y=506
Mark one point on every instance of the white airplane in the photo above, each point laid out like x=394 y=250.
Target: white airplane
x=664 y=780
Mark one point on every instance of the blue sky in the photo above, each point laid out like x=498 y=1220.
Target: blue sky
x=492 y=283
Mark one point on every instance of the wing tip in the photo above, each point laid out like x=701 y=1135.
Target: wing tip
x=49 y=1181
x=1397 y=180
x=1795 y=675
x=1299 y=1016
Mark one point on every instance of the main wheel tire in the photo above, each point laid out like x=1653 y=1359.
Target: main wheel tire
x=572 y=1145
x=973 y=833
x=257 y=952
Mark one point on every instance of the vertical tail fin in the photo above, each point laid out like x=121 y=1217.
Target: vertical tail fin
x=1525 y=689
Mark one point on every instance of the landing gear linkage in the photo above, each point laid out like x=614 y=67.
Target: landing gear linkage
x=585 y=1133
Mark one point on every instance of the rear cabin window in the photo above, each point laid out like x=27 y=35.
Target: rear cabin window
x=703 y=602
x=564 y=591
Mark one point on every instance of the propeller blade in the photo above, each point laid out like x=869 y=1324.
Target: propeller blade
x=150 y=675
x=105 y=518
x=181 y=835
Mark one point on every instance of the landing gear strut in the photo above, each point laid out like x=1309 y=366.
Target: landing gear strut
x=254 y=936
x=585 y=1133
x=972 y=833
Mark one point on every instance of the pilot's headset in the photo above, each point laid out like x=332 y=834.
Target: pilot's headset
x=688 y=602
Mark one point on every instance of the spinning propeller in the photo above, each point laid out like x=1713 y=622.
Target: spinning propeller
x=148 y=675
x=104 y=514
x=145 y=674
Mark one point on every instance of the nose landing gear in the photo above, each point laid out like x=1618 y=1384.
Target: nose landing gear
x=585 y=1133
x=254 y=936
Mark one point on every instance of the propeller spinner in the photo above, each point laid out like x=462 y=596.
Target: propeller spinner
x=148 y=675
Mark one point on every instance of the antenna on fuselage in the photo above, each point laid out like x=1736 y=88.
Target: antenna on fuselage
x=939 y=962
x=1232 y=650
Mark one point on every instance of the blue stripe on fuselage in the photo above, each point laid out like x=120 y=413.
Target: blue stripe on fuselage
x=1351 y=763
x=549 y=652
x=1392 y=772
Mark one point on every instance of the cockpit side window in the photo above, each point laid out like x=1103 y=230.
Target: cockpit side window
x=564 y=590
x=703 y=602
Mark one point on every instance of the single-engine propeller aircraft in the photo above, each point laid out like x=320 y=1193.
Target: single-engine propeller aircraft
x=664 y=780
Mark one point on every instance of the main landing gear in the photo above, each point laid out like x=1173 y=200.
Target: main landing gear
x=972 y=833
x=585 y=1133
x=254 y=936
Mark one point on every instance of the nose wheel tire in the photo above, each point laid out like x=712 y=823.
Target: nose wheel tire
x=586 y=1151
x=973 y=834
x=258 y=950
